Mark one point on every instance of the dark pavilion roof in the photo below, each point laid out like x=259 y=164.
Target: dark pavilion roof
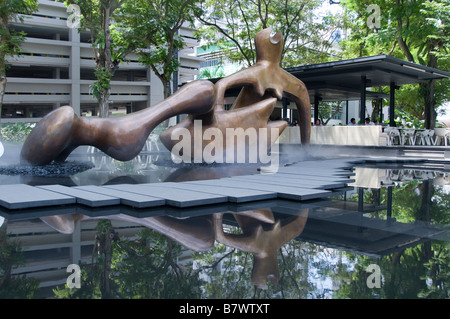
x=341 y=80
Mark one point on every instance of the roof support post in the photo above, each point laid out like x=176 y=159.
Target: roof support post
x=392 y=89
x=316 y=108
x=381 y=110
x=285 y=105
x=362 y=102
x=346 y=112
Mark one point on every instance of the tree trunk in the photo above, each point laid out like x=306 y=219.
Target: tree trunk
x=5 y=37
x=376 y=108
x=103 y=103
x=429 y=99
x=167 y=89
x=430 y=104
x=167 y=92
x=401 y=42
x=2 y=94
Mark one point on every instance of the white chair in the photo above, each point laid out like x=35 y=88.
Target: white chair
x=447 y=137
x=408 y=136
x=152 y=140
x=432 y=137
x=426 y=137
x=439 y=133
x=392 y=132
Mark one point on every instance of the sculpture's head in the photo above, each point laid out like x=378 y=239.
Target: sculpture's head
x=269 y=48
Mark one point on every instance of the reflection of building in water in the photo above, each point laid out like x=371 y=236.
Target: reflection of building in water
x=49 y=252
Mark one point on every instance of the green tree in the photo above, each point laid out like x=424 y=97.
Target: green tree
x=328 y=111
x=306 y=39
x=144 y=267
x=211 y=73
x=11 y=256
x=10 y=39
x=152 y=30
x=417 y=31
x=97 y=16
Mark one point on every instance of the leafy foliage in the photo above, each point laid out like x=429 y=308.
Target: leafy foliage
x=417 y=31
x=152 y=31
x=306 y=39
x=97 y=17
x=10 y=39
x=17 y=132
x=11 y=256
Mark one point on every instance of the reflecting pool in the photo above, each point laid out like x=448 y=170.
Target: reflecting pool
x=384 y=236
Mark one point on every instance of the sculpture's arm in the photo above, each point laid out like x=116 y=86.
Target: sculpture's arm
x=296 y=90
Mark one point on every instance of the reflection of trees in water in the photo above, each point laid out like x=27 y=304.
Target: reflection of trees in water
x=407 y=274
x=421 y=271
x=152 y=266
x=227 y=273
x=11 y=256
x=144 y=267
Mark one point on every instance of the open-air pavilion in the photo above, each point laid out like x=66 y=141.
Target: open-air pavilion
x=350 y=79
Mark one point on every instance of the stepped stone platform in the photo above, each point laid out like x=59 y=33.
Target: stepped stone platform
x=301 y=181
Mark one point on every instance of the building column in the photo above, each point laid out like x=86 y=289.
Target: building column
x=346 y=112
x=392 y=89
x=74 y=70
x=317 y=99
x=362 y=102
x=285 y=105
x=381 y=110
x=75 y=252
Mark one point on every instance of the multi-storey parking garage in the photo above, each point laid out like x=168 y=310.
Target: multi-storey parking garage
x=56 y=67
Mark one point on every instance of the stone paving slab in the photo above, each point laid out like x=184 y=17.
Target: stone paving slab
x=235 y=195
x=126 y=198
x=311 y=175
x=20 y=196
x=317 y=173
x=176 y=198
x=286 y=192
x=289 y=181
x=83 y=197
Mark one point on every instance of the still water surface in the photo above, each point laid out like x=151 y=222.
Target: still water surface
x=386 y=236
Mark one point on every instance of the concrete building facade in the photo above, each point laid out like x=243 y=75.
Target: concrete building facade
x=56 y=67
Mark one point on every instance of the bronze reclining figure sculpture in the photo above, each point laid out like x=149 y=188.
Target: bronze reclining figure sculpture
x=61 y=131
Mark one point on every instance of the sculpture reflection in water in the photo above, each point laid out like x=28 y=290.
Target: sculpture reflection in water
x=61 y=131
x=262 y=234
x=262 y=237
